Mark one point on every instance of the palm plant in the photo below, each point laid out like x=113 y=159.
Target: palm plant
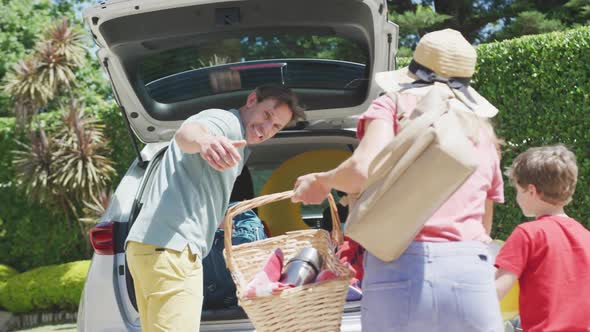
x=35 y=165
x=53 y=70
x=67 y=169
x=94 y=209
x=81 y=159
x=36 y=80
x=28 y=89
x=67 y=41
x=60 y=54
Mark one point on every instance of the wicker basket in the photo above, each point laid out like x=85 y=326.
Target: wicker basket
x=311 y=307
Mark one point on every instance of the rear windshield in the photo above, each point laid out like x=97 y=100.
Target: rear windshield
x=242 y=63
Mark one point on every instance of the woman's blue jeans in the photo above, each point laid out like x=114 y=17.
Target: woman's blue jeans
x=446 y=287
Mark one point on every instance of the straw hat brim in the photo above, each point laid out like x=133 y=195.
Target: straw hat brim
x=390 y=81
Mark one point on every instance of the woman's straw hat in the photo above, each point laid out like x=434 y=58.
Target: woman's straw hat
x=441 y=56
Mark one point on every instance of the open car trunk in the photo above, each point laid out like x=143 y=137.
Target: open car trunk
x=168 y=60
x=273 y=166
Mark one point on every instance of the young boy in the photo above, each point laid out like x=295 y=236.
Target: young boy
x=550 y=256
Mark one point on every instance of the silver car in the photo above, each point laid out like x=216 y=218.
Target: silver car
x=168 y=60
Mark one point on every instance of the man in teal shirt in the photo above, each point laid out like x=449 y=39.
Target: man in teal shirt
x=189 y=196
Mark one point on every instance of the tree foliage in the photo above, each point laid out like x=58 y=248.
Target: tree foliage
x=60 y=164
x=35 y=81
x=577 y=12
x=469 y=17
x=529 y=23
x=414 y=24
x=21 y=24
x=71 y=166
x=487 y=20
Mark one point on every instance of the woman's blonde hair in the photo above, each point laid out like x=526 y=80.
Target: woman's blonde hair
x=477 y=127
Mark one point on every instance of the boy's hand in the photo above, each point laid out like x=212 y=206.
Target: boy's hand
x=221 y=152
x=504 y=282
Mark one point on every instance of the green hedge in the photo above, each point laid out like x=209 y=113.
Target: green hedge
x=6 y=272
x=2 y=287
x=541 y=85
x=47 y=288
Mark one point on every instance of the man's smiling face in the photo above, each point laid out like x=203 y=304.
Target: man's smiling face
x=264 y=119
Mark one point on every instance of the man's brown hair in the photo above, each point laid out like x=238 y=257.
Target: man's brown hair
x=283 y=96
x=551 y=169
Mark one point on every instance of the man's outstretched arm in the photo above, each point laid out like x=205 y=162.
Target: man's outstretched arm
x=219 y=151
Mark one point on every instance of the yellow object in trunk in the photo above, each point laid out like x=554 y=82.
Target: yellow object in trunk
x=284 y=216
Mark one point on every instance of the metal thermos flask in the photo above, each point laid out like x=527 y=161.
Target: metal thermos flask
x=303 y=268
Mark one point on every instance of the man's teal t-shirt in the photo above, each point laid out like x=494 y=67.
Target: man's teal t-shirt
x=188 y=198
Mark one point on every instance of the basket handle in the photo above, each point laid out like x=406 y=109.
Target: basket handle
x=266 y=199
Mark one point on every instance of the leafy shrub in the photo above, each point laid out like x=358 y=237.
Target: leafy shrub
x=2 y=287
x=32 y=235
x=540 y=85
x=47 y=288
x=6 y=272
x=403 y=61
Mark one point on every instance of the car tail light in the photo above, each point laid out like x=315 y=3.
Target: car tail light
x=101 y=238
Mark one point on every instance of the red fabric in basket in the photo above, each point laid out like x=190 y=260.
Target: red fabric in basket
x=266 y=282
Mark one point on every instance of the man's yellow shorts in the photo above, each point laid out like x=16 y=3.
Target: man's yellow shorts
x=168 y=287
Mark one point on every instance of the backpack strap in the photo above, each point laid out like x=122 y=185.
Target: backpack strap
x=401 y=112
x=395 y=96
x=429 y=108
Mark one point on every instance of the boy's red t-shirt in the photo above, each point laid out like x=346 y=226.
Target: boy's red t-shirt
x=551 y=257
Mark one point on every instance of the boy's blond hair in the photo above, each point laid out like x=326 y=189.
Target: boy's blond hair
x=551 y=169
